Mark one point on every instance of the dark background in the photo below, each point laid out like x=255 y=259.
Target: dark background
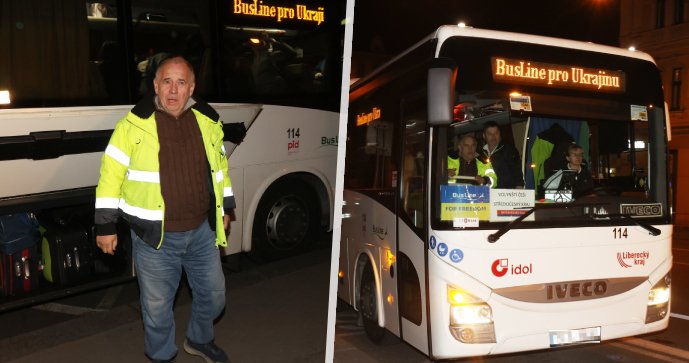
x=390 y=26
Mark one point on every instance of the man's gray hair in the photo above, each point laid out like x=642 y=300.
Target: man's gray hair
x=176 y=59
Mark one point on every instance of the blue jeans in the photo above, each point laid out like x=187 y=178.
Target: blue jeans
x=159 y=273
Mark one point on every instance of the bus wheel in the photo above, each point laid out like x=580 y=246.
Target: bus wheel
x=368 y=305
x=286 y=221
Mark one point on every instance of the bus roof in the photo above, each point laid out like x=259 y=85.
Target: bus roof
x=448 y=31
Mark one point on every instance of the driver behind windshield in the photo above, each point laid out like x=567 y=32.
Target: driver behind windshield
x=469 y=165
x=583 y=182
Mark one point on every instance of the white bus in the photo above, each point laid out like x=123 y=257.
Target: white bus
x=70 y=70
x=461 y=270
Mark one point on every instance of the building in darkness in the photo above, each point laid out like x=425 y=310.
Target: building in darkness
x=661 y=28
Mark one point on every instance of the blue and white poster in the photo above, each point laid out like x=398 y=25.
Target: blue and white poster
x=464 y=201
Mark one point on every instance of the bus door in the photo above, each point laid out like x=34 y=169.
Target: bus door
x=413 y=224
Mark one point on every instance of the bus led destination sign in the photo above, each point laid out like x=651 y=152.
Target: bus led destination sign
x=297 y=12
x=365 y=118
x=557 y=75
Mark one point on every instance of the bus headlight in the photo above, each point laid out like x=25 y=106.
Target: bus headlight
x=658 y=300
x=471 y=319
x=471 y=314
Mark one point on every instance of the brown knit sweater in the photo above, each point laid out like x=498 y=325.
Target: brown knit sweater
x=183 y=171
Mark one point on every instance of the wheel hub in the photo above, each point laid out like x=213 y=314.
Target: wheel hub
x=287 y=223
x=368 y=302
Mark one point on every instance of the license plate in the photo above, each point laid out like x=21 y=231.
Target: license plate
x=559 y=338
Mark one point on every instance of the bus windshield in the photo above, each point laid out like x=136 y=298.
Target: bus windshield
x=512 y=147
x=560 y=160
x=106 y=52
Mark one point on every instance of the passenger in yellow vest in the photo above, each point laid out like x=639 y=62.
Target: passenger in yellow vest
x=468 y=164
x=165 y=172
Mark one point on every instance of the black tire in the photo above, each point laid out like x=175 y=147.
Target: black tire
x=287 y=220
x=368 y=305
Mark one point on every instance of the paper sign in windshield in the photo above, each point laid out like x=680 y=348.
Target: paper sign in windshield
x=520 y=103
x=639 y=113
x=460 y=202
x=508 y=204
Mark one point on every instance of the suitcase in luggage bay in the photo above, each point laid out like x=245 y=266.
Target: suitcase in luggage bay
x=19 y=271
x=18 y=231
x=67 y=253
x=19 y=260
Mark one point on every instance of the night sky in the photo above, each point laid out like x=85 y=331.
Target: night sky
x=398 y=24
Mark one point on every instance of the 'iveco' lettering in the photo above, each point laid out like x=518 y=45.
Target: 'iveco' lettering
x=642 y=210
x=576 y=290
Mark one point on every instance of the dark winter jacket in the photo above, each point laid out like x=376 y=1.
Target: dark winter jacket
x=507 y=165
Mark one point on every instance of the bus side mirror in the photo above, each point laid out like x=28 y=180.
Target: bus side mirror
x=442 y=76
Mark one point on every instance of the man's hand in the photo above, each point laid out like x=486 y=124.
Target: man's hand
x=107 y=244
x=480 y=180
x=226 y=222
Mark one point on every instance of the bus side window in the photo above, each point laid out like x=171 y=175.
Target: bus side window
x=112 y=71
x=414 y=163
x=45 y=52
x=412 y=186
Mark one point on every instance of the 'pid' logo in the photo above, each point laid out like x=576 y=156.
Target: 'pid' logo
x=501 y=266
x=292 y=140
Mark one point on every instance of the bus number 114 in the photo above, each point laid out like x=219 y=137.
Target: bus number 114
x=619 y=232
x=293 y=133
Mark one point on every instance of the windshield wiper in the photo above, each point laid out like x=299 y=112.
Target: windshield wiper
x=494 y=237
x=651 y=230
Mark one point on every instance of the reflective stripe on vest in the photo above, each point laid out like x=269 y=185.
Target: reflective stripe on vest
x=492 y=182
x=114 y=203
x=227 y=192
x=219 y=177
x=147 y=214
x=117 y=154
x=143 y=176
x=104 y=203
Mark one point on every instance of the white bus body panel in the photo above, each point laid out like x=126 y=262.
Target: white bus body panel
x=561 y=255
x=447 y=31
x=254 y=165
x=79 y=170
x=266 y=155
x=556 y=256
x=25 y=176
x=369 y=231
x=413 y=247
